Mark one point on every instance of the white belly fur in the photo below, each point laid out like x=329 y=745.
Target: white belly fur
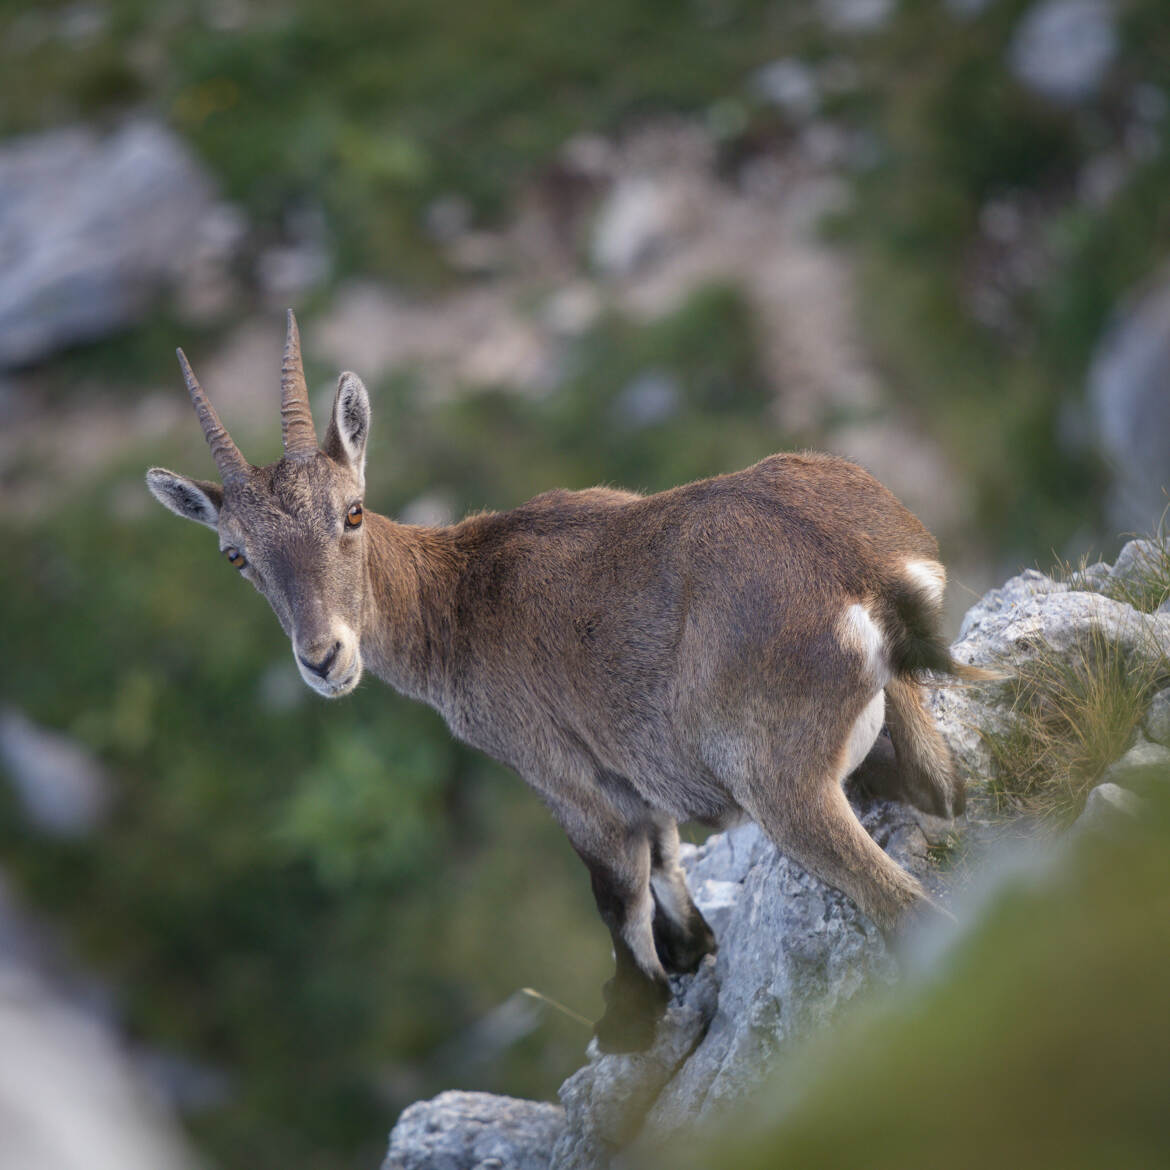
x=864 y=732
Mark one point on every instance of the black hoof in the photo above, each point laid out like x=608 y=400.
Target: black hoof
x=681 y=949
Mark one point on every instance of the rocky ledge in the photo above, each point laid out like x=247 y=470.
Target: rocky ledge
x=793 y=951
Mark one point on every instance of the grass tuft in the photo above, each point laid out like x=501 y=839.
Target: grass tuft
x=1072 y=715
x=1144 y=582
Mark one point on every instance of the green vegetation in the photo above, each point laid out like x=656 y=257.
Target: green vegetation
x=1071 y=714
x=1041 y=1039
x=370 y=109
x=991 y=359
x=316 y=896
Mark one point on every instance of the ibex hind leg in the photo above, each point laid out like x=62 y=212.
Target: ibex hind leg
x=813 y=824
x=682 y=936
x=926 y=771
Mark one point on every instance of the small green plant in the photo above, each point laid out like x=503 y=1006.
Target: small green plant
x=1071 y=715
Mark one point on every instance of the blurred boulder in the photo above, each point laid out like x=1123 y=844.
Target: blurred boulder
x=1129 y=395
x=474 y=1131
x=1142 y=762
x=1157 y=722
x=93 y=227
x=634 y=222
x=790 y=85
x=1062 y=49
x=855 y=16
x=651 y=398
x=62 y=789
x=1108 y=804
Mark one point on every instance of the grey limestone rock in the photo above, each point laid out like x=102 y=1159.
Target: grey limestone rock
x=1136 y=561
x=1142 y=761
x=91 y=228
x=474 y=1131
x=1029 y=615
x=1157 y=722
x=1108 y=805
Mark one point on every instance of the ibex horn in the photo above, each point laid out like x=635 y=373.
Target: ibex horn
x=296 y=419
x=233 y=467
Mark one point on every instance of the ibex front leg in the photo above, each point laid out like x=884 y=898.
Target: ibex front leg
x=681 y=934
x=618 y=857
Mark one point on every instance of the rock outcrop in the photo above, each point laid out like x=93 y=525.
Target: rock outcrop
x=474 y=1130
x=793 y=952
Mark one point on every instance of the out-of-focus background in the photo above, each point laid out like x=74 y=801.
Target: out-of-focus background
x=621 y=241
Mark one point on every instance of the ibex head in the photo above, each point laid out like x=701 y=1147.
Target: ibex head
x=293 y=528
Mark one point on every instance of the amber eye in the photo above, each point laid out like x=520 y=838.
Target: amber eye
x=235 y=557
x=353 y=518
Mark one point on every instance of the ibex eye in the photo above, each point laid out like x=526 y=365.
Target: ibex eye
x=353 y=518
x=235 y=557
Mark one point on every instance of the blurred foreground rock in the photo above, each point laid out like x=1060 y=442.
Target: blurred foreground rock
x=92 y=228
x=792 y=951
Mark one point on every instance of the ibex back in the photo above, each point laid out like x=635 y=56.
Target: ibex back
x=731 y=646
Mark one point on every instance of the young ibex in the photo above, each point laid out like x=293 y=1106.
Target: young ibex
x=731 y=646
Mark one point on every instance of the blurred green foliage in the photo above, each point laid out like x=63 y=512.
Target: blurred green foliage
x=315 y=897
x=1042 y=1039
x=955 y=131
x=370 y=108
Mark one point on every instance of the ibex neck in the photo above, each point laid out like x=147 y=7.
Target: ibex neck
x=411 y=575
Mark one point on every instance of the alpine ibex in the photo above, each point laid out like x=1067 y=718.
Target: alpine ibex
x=728 y=647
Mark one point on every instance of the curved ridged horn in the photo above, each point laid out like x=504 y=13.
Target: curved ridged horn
x=233 y=467
x=296 y=419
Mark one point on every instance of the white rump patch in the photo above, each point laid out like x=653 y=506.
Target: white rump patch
x=929 y=576
x=858 y=631
x=864 y=732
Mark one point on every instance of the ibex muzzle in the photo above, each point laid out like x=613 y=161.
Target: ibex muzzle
x=732 y=646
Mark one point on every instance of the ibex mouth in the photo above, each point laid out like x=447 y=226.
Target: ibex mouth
x=335 y=689
x=335 y=673
x=336 y=685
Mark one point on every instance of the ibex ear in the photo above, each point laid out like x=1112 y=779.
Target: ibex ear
x=193 y=499
x=349 y=427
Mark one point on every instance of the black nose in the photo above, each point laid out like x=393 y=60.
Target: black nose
x=321 y=668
